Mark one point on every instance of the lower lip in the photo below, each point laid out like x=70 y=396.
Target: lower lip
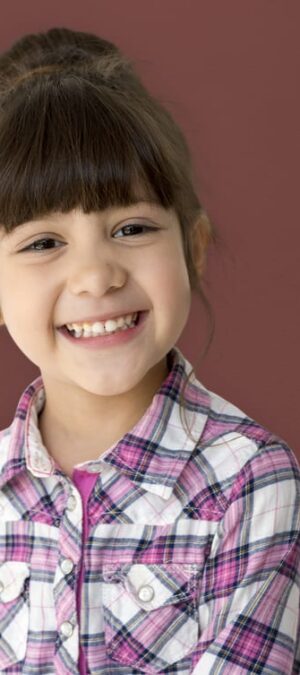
x=101 y=341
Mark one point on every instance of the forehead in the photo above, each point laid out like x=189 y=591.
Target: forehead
x=89 y=147
x=145 y=206
x=141 y=196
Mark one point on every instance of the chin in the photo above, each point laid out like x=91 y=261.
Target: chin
x=106 y=389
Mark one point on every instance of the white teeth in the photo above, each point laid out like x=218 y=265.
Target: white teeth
x=100 y=328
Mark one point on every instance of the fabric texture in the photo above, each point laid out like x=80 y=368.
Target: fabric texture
x=169 y=554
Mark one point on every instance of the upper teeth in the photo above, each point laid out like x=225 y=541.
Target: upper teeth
x=100 y=327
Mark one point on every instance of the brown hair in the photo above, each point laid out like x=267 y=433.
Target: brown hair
x=77 y=127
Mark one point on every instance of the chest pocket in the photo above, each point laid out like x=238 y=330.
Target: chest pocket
x=14 y=612
x=151 y=614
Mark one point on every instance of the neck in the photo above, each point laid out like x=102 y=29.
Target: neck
x=76 y=429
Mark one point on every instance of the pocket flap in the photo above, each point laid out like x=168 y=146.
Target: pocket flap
x=155 y=586
x=12 y=576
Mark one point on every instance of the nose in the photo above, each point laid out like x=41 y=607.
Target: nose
x=94 y=274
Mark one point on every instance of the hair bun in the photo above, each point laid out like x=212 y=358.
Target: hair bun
x=71 y=52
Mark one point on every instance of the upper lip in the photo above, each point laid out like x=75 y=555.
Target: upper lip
x=103 y=318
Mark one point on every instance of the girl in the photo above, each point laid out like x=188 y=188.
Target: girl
x=147 y=524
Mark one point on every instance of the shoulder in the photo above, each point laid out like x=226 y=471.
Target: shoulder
x=241 y=454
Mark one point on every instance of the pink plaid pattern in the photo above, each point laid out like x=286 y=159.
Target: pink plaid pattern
x=186 y=558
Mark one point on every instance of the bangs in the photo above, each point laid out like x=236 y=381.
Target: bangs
x=68 y=142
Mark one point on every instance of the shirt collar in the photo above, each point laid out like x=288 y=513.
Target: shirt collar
x=152 y=454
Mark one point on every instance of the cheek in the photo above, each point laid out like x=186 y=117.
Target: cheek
x=25 y=304
x=180 y=292
x=176 y=295
x=171 y=291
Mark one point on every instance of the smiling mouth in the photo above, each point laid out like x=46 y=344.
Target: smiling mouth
x=88 y=333
x=120 y=334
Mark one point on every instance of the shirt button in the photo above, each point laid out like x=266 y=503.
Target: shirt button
x=67 y=565
x=71 y=503
x=66 y=629
x=94 y=469
x=146 y=593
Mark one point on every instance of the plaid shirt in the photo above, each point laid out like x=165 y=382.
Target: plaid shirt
x=188 y=553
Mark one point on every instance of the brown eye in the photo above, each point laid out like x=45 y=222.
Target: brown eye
x=133 y=227
x=41 y=244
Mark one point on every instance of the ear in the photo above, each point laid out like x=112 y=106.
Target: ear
x=201 y=237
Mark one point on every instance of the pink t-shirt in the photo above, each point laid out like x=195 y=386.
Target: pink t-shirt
x=84 y=481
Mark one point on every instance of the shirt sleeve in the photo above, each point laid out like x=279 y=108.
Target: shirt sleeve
x=249 y=603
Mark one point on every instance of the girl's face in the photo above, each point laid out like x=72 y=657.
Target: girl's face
x=92 y=267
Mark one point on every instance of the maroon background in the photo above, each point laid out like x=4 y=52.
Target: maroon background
x=229 y=73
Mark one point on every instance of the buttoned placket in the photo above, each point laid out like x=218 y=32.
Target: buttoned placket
x=70 y=551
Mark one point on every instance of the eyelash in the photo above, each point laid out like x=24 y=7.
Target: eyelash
x=47 y=239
